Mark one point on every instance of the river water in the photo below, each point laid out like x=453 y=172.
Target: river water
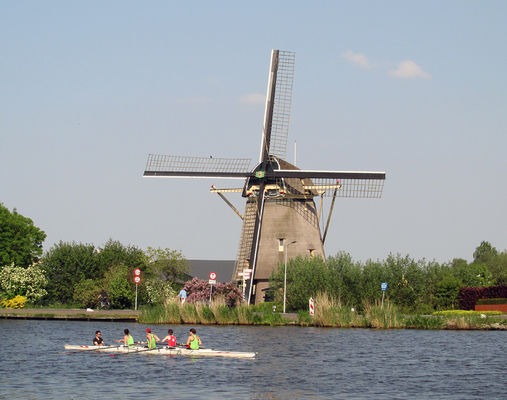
x=291 y=363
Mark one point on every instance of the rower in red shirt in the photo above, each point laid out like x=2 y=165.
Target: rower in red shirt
x=171 y=340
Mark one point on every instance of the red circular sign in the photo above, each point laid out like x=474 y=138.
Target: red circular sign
x=137 y=279
x=212 y=276
x=137 y=272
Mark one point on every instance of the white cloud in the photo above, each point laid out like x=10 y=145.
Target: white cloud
x=409 y=69
x=253 y=98
x=357 y=59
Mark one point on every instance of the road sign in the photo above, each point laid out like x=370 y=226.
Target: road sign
x=212 y=276
x=383 y=285
x=212 y=281
x=245 y=275
x=137 y=272
x=137 y=279
x=312 y=306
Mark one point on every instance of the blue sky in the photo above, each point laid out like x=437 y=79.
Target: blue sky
x=419 y=90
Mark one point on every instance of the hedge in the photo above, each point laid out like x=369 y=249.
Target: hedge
x=468 y=296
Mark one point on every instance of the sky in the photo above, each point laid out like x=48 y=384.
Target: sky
x=416 y=89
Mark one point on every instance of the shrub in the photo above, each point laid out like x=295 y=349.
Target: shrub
x=468 y=296
x=29 y=282
x=86 y=293
x=492 y=301
x=189 y=314
x=15 y=302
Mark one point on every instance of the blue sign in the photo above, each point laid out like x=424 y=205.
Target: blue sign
x=383 y=285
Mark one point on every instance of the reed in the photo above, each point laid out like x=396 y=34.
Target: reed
x=326 y=311
x=223 y=314
x=245 y=314
x=205 y=314
x=422 y=322
x=383 y=315
x=172 y=313
x=152 y=315
x=189 y=314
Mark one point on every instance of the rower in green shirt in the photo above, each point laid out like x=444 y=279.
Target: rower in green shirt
x=151 y=339
x=193 y=341
x=127 y=340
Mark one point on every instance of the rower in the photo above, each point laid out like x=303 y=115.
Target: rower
x=151 y=339
x=97 y=340
x=171 y=340
x=127 y=340
x=193 y=341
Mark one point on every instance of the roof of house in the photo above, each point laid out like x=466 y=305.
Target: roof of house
x=202 y=268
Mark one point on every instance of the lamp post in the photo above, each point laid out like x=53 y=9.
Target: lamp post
x=285 y=276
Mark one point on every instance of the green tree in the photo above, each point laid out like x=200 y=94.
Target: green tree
x=305 y=278
x=484 y=253
x=166 y=264
x=115 y=253
x=120 y=287
x=20 y=240
x=67 y=264
x=86 y=293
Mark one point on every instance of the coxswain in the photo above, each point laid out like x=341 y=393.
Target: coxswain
x=171 y=339
x=97 y=340
x=127 y=340
x=193 y=341
x=151 y=339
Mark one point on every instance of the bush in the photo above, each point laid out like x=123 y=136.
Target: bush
x=87 y=292
x=468 y=296
x=492 y=301
x=15 y=302
x=29 y=282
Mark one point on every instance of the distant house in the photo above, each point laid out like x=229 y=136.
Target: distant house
x=202 y=268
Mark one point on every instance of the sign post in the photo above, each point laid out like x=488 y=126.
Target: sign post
x=312 y=306
x=212 y=281
x=383 y=286
x=245 y=275
x=137 y=279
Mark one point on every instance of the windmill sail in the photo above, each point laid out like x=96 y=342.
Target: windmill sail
x=275 y=190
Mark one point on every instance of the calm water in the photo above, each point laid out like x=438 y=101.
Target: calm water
x=292 y=363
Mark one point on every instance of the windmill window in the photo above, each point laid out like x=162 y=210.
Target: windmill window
x=280 y=245
x=312 y=252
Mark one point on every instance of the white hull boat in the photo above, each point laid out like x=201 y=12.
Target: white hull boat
x=169 y=351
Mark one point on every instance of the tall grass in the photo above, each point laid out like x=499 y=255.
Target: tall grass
x=189 y=314
x=206 y=315
x=383 y=315
x=223 y=314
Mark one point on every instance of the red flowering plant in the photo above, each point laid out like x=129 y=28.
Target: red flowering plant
x=198 y=292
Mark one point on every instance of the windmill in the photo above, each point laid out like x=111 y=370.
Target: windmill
x=280 y=208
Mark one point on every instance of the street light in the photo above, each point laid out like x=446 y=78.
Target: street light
x=285 y=276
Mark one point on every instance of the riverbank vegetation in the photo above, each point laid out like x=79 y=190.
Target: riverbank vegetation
x=328 y=313
x=347 y=293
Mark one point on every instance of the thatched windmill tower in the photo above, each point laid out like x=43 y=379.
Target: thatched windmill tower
x=280 y=208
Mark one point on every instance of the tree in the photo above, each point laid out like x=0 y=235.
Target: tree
x=166 y=264
x=67 y=264
x=484 y=253
x=20 y=240
x=305 y=278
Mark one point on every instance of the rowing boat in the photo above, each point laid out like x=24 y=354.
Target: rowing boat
x=169 y=351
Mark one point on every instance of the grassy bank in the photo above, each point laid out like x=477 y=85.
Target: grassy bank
x=328 y=313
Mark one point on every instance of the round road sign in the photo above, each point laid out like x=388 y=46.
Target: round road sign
x=137 y=272
x=137 y=279
x=212 y=276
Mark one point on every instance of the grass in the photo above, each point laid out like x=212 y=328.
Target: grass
x=329 y=312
